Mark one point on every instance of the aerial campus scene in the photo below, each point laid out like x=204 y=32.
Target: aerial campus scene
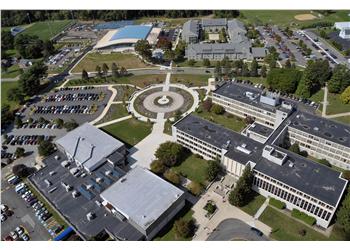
x=175 y=125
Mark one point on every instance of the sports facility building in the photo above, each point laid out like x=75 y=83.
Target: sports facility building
x=127 y=37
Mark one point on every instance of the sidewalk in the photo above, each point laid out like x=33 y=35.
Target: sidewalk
x=113 y=121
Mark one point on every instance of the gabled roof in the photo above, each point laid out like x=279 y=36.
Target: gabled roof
x=190 y=28
x=214 y=22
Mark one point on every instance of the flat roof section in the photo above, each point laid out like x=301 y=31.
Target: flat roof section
x=142 y=196
x=260 y=129
x=307 y=176
x=76 y=209
x=132 y=32
x=321 y=127
x=219 y=136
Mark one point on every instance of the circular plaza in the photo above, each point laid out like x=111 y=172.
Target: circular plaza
x=176 y=99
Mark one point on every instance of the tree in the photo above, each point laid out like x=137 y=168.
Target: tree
x=157 y=167
x=323 y=34
x=170 y=153
x=195 y=188
x=346 y=174
x=263 y=71
x=285 y=80
x=46 y=148
x=123 y=71
x=18 y=122
x=345 y=96
x=164 y=43
x=6 y=115
x=206 y=62
x=29 y=81
x=21 y=170
x=70 y=125
x=169 y=55
x=59 y=122
x=241 y=194
x=340 y=79
x=191 y=62
x=218 y=70
x=98 y=71
x=84 y=75
x=115 y=72
x=172 y=176
x=295 y=148
x=183 y=228
x=19 y=152
x=207 y=104
x=105 y=69
x=343 y=215
x=288 y=64
x=213 y=169
x=254 y=68
x=143 y=48
x=15 y=95
x=7 y=40
x=245 y=70
x=217 y=109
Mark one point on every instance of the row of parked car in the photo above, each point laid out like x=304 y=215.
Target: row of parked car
x=75 y=88
x=18 y=234
x=39 y=125
x=73 y=97
x=63 y=109
x=26 y=139
x=5 y=212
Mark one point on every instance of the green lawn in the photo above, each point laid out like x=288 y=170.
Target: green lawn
x=138 y=80
x=167 y=128
x=196 y=64
x=91 y=60
x=47 y=29
x=168 y=233
x=286 y=17
x=343 y=119
x=115 y=111
x=190 y=80
x=253 y=206
x=124 y=92
x=130 y=131
x=227 y=120
x=193 y=168
x=5 y=87
x=335 y=105
x=286 y=228
x=11 y=72
x=201 y=93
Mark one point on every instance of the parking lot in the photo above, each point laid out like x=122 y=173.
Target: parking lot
x=80 y=104
x=23 y=215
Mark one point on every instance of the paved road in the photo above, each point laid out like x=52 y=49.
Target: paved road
x=22 y=214
x=234 y=229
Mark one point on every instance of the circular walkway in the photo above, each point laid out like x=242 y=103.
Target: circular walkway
x=150 y=103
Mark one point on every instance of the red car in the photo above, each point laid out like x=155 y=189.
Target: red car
x=8 y=238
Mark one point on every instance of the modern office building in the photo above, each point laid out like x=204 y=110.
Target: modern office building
x=145 y=200
x=190 y=31
x=246 y=101
x=89 y=147
x=300 y=183
x=321 y=138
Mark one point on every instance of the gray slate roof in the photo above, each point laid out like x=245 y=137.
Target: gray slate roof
x=142 y=196
x=307 y=176
x=88 y=145
x=235 y=27
x=259 y=52
x=190 y=28
x=321 y=127
x=219 y=48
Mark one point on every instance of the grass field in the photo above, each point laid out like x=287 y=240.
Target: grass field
x=335 y=105
x=130 y=131
x=138 y=80
x=115 y=111
x=193 y=168
x=170 y=22
x=124 y=92
x=285 y=228
x=190 y=80
x=46 y=30
x=5 y=87
x=343 y=119
x=91 y=60
x=228 y=121
x=11 y=72
x=286 y=17
x=253 y=206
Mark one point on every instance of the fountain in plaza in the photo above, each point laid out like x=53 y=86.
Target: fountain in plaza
x=163 y=100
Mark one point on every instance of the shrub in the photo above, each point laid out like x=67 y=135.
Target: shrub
x=213 y=169
x=276 y=203
x=210 y=207
x=157 y=167
x=207 y=104
x=195 y=188
x=170 y=153
x=303 y=216
x=302 y=232
x=346 y=174
x=325 y=162
x=217 y=109
x=46 y=148
x=172 y=176
x=183 y=228
x=19 y=152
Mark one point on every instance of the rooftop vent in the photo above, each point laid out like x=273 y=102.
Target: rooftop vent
x=57 y=157
x=90 y=216
x=290 y=164
x=108 y=172
x=89 y=187
x=316 y=129
x=122 y=180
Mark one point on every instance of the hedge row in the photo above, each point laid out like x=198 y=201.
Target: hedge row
x=303 y=216
x=276 y=203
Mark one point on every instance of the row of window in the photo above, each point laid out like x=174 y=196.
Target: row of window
x=191 y=146
x=297 y=201
x=202 y=144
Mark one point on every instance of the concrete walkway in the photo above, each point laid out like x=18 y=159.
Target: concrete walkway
x=325 y=101
x=113 y=121
x=167 y=82
x=225 y=211
x=110 y=102
x=338 y=115
x=261 y=209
